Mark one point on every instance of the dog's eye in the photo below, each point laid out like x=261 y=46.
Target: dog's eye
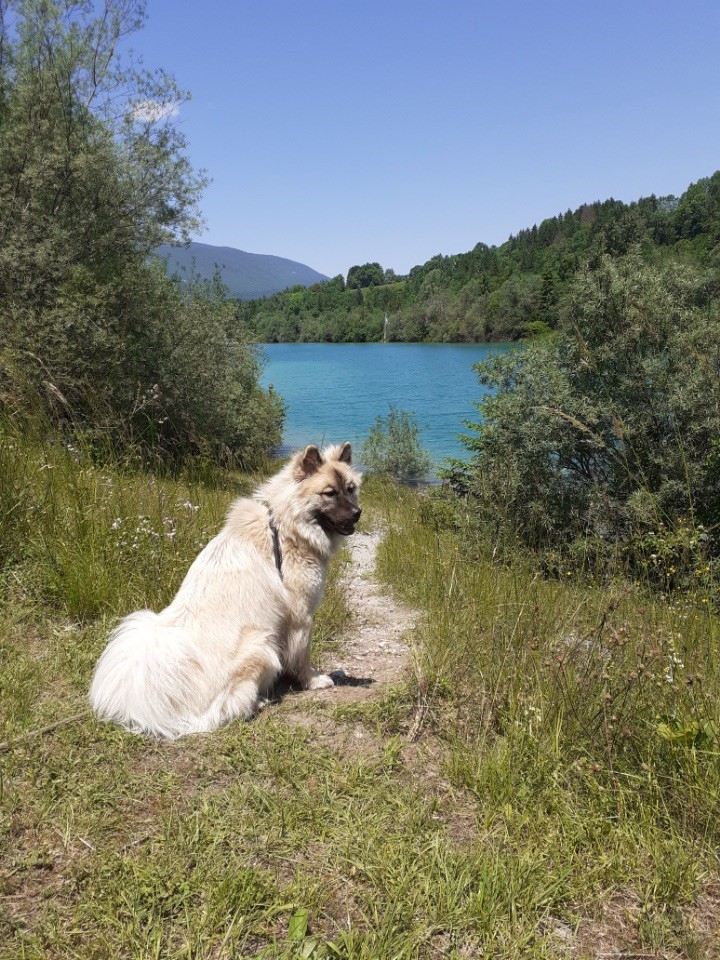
x=329 y=493
x=351 y=488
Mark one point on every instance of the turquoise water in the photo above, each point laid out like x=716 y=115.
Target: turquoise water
x=334 y=391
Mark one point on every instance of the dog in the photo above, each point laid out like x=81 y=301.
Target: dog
x=243 y=614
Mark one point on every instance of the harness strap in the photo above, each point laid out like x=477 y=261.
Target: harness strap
x=277 y=552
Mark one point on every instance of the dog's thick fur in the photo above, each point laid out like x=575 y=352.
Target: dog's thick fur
x=236 y=622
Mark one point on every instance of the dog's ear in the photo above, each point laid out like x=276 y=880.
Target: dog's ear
x=345 y=455
x=308 y=462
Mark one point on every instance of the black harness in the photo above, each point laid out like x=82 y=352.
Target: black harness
x=277 y=552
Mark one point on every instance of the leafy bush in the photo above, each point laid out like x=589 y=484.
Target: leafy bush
x=605 y=435
x=93 y=176
x=393 y=448
x=153 y=365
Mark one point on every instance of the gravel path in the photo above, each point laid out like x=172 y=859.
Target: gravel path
x=373 y=652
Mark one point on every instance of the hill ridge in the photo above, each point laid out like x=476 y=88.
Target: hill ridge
x=248 y=276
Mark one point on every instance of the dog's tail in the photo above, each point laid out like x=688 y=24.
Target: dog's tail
x=138 y=680
x=149 y=680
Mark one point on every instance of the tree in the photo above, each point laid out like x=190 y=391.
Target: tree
x=92 y=164
x=515 y=291
x=608 y=431
x=368 y=275
x=93 y=176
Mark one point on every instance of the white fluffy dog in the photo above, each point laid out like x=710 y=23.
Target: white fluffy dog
x=243 y=613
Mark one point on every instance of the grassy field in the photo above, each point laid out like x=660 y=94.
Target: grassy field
x=545 y=783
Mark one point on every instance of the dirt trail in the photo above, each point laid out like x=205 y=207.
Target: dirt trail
x=372 y=653
x=373 y=656
x=373 y=650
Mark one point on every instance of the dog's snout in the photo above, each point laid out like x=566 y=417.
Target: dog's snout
x=356 y=514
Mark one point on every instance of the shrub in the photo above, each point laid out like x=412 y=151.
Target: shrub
x=393 y=448
x=605 y=436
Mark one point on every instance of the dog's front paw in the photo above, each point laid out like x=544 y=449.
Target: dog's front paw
x=319 y=681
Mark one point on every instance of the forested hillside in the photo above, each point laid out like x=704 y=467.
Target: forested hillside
x=493 y=293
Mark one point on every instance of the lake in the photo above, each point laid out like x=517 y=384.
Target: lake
x=334 y=391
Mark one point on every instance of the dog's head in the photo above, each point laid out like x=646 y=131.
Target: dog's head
x=331 y=485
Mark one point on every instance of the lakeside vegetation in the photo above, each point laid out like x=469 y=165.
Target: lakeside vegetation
x=511 y=292
x=93 y=177
x=598 y=448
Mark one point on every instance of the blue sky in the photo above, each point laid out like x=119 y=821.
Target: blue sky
x=338 y=133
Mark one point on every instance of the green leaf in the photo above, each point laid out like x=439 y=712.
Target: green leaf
x=298 y=925
x=693 y=733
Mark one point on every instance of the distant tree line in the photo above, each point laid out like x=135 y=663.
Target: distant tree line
x=508 y=292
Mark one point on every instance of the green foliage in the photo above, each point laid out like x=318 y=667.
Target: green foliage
x=393 y=448
x=606 y=433
x=510 y=292
x=581 y=718
x=368 y=275
x=96 y=540
x=93 y=176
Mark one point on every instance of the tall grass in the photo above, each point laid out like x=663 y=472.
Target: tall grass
x=98 y=539
x=583 y=719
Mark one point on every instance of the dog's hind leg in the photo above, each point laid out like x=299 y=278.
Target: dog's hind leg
x=253 y=676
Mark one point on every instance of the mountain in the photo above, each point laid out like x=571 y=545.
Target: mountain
x=247 y=276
